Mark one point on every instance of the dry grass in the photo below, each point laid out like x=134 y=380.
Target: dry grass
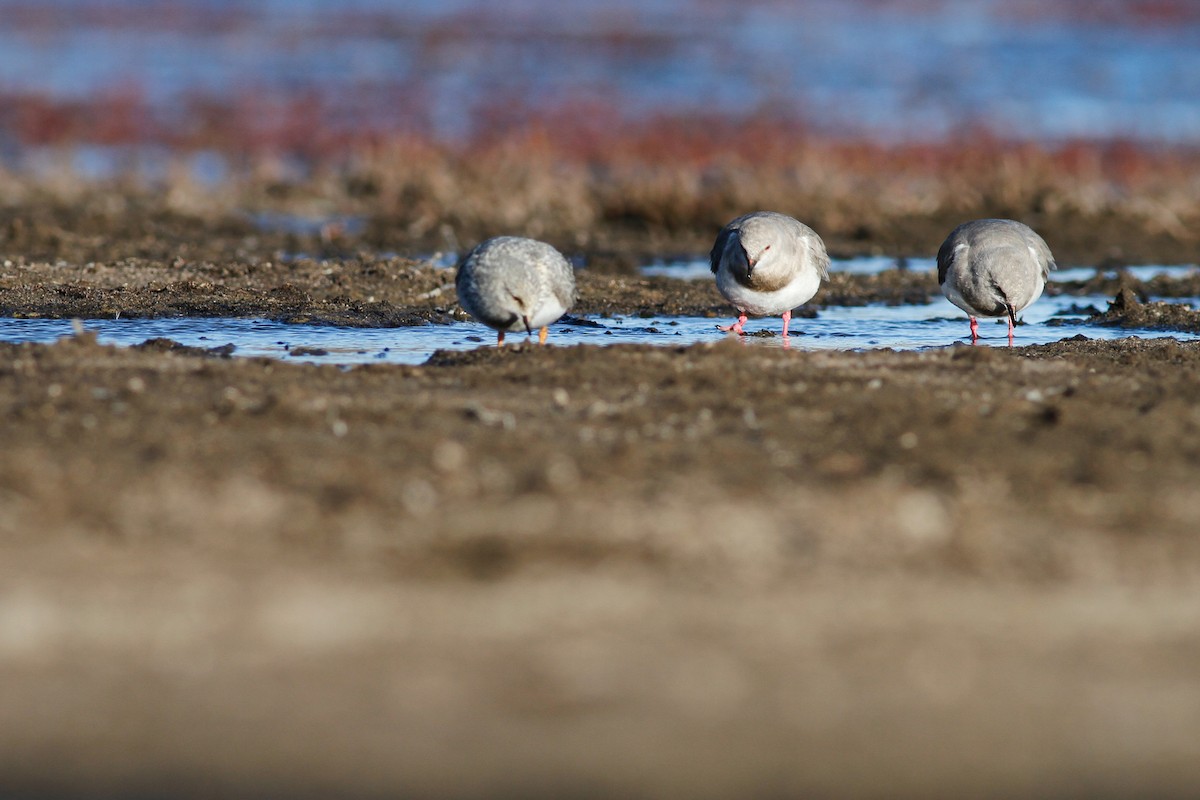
x=656 y=188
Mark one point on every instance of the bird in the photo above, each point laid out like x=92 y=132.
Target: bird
x=993 y=268
x=511 y=283
x=767 y=263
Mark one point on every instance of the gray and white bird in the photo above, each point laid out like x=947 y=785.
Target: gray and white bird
x=768 y=263
x=510 y=283
x=993 y=268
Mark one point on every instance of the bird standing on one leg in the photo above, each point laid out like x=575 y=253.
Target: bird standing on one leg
x=993 y=268
x=768 y=263
x=510 y=284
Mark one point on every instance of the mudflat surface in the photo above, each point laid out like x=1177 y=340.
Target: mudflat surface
x=375 y=291
x=715 y=571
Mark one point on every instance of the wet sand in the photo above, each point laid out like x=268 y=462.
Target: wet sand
x=713 y=571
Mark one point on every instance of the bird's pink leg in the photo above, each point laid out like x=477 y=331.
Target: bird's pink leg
x=974 y=330
x=787 y=317
x=1010 y=332
x=735 y=327
x=499 y=338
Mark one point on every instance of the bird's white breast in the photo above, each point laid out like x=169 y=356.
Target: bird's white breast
x=797 y=292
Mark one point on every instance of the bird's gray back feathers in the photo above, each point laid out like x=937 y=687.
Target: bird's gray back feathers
x=995 y=264
x=506 y=277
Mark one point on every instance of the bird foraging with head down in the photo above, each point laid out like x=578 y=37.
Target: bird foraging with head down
x=510 y=283
x=768 y=263
x=993 y=268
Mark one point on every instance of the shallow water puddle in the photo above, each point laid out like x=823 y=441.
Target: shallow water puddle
x=910 y=327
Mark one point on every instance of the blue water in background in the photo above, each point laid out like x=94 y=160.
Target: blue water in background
x=888 y=68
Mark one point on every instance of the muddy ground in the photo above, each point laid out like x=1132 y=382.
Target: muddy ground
x=717 y=571
x=377 y=291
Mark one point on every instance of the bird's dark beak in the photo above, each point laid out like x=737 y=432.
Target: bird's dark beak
x=528 y=328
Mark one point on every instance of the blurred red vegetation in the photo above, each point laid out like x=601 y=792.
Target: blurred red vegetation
x=35 y=17
x=323 y=126
x=1142 y=13
x=584 y=132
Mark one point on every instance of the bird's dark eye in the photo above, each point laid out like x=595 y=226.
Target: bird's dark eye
x=765 y=249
